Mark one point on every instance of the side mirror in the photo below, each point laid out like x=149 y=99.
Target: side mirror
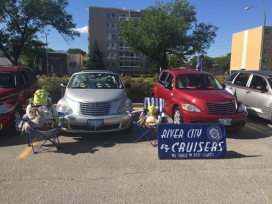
x=168 y=86
x=224 y=86
x=63 y=85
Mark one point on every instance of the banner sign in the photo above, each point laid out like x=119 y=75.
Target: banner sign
x=191 y=141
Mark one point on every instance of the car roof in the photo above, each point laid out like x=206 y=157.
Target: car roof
x=11 y=68
x=178 y=71
x=97 y=71
x=260 y=72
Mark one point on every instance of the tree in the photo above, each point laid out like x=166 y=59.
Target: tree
x=224 y=62
x=95 y=60
x=21 y=20
x=166 y=27
x=76 y=51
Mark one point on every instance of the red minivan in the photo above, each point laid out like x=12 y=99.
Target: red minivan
x=193 y=96
x=17 y=84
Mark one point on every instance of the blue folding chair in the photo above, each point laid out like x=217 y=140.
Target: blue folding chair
x=144 y=128
x=36 y=134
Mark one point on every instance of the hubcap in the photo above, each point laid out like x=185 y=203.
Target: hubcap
x=177 y=117
x=17 y=120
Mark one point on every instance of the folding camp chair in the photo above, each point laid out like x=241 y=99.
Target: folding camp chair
x=36 y=134
x=144 y=128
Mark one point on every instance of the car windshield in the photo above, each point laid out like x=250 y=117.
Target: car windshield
x=197 y=81
x=96 y=81
x=7 y=80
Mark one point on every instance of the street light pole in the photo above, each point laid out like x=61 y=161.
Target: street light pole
x=43 y=31
x=46 y=55
x=262 y=41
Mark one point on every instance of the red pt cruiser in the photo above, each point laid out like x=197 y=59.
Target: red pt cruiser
x=17 y=84
x=193 y=96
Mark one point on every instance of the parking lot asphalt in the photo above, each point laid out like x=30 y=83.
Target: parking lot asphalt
x=110 y=168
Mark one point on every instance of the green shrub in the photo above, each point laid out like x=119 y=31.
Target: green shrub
x=52 y=85
x=140 y=87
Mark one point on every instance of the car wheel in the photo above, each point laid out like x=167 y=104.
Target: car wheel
x=16 y=119
x=177 y=117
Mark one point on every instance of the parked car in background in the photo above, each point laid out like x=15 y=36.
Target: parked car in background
x=95 y=101
x=193 y=96
x=253 y=88
x=57 y=75
x=17 y=84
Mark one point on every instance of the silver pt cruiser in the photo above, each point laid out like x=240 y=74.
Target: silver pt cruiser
x=95 y=101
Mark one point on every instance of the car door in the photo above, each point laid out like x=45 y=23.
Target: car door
x=160 y=89
x=229 y=83
x=240 y=85
x=258 y=101
x=167 y=94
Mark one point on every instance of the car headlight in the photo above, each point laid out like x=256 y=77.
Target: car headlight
x=190 y=108
x=125 y=108
x=64 y=109
x=242 y=108
x=6 y=108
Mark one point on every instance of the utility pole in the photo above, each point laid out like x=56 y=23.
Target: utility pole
x=47 y=69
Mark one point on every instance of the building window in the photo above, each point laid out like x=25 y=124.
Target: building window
x=108 y=26
x=114 y=56
x=264 y=60
x=113 y=64
x=266 y=41
x=111 y=16
x=267 y=31
x=113 y=46
x=108 y=64
x=108 y=46
x=265 y=50
x=109 y=55
x=113 y=36
x=113 y=26
x=109 y=36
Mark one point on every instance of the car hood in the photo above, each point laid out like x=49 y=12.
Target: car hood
x=207 y=95
x=95 y=95
x=7 y=92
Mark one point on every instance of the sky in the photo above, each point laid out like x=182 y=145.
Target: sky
x=229 y=16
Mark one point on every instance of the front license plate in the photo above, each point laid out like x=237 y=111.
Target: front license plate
x=225 y=121
x=95 y=122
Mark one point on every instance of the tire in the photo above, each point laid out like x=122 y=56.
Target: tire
x=16 y=118
x=177 y=116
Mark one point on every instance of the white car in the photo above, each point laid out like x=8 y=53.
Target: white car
x=95 y=101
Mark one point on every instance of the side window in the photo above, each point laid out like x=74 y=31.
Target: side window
x=23 y=79
x=241 y=79
x=170 y=80
x=231 y=77
x=29 y=76
x=257 y=81
x=162 y=78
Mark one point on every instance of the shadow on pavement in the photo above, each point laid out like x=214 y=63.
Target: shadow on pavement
x=236 y=155
x=92 y=142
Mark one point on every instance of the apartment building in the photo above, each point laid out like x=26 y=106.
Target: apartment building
x=103 y=27
x=246 y=49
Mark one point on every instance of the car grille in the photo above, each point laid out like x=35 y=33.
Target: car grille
x=94 y=109
x=222 y=108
